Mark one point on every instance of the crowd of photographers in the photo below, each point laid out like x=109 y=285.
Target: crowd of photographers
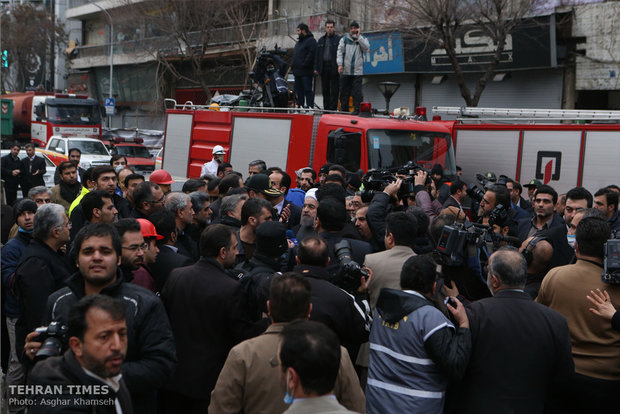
x=216 y=298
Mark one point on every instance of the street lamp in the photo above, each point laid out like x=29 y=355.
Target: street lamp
x=111 y=53
x=388 y=89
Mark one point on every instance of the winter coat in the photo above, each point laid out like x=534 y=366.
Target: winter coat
x=303 y=56
x=351 y=54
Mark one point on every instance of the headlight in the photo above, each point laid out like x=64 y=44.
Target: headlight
x=85 y=164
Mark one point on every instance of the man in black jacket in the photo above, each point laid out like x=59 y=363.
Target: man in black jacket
x=150 y=344
x=510 y=320
x=11 y=173
x=41 y=270
x=32 y=170
x=325 y=65
x=303 y=65
x=207 y=309
x=167 y=259
x=255 y=274
x=98 y=345
x=339 y=310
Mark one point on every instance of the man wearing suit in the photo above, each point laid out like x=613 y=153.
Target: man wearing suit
x=32 y=170
x=289 y=213
x=309 y=356
x=208 y=315
x=400 y=233
x=167 y=259
x=458 y=192
x=545 y=217
x=520 y=349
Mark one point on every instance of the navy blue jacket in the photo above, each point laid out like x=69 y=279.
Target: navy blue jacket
x=303 y=56
x=11 y=254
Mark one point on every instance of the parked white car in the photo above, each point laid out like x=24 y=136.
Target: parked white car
x=94 y=153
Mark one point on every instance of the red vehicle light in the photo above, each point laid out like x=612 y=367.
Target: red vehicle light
x=365 y=107
x=420 y=111
x=436 y=117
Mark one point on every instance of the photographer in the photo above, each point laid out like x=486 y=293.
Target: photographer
x=150 y=345
x=382 y=203
x=426 y=195
x=97 y=332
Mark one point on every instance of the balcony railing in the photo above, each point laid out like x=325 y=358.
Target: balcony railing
x=216 y=37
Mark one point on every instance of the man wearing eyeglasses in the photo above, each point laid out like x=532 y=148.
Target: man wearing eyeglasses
x=150 y=345
x=133 y=246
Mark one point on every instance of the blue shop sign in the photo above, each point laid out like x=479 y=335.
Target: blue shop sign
x=385 y=54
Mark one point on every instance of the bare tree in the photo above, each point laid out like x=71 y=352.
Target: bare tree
x=440 y=23
x=196 y=41
x=28 y=31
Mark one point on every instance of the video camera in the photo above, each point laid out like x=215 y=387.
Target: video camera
x=266 y=60
x=485 y=181
x=454 y=238
x=375 y=181
x=611 y=263
x=54 y=337
x=350 y=271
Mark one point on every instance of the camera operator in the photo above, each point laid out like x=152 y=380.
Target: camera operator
x=426 y=195
x=467 y=276
x=382 y=203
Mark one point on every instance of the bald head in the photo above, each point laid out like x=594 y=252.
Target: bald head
x=541 y=256
x=507 y=269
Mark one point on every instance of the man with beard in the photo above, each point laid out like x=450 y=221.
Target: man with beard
x=308 y=218
x=133 y=246
x=150 y=345
x=306 y=179
x=201 y=204
x=69 y=187
x=143 y=276
x=217 y=321
x=545 y=217
x=254 y=212
x=97 y=349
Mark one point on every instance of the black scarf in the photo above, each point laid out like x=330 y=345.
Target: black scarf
x=69 y=192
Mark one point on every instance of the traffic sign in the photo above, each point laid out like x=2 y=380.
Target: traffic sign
x=109 y=104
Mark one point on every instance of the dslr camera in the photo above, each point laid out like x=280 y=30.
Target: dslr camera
x=54 y=337
x=350 y=271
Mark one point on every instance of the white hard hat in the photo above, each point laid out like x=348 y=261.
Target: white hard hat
x=218 y=149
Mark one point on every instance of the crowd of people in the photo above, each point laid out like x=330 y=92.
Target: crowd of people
x=253 y=293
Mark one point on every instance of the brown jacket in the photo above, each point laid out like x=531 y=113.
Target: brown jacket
x=56 y=198
x=250 y=381
x=596 y=345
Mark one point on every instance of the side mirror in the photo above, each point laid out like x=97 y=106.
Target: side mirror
x=60 y=149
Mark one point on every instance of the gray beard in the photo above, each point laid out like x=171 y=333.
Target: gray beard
x=306 y=221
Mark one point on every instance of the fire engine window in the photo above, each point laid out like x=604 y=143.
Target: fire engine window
x=388 y=148
x=344 y=148
x=133 y=151
x=73 y=114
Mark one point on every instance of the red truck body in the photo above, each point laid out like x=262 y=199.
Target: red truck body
x=38 y=116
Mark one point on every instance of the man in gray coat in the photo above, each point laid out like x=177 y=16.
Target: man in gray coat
x=350 y=60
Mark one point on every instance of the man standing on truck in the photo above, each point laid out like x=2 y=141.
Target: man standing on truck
x=350 y=59
x=325 y=66
x=302 y=66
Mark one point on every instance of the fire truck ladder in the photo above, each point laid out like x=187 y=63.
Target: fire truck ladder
x=521 y=114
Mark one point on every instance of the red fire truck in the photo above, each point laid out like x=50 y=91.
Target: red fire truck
x=524 y=144
x=562 y=148
x=37 y=116
x=295 y=140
